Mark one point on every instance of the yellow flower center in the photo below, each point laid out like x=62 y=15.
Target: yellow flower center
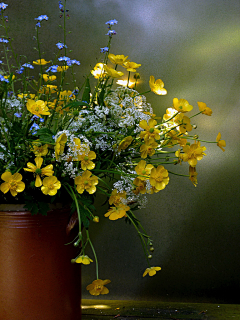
x=85 y=182
x=13 y=185
x=151 y=130
x=38 y=171
x=51 y=186
x=86 y=158
x=98 y=288
x=144 y=172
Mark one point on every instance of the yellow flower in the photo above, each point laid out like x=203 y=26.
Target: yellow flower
x=48 y=89
x=193 y=153
x=193 y=175
x=8 y=77
x=46 y=77
x=157 y=86
x=62 y=68
x=148 y=148
x=131 y=66
x=50 y=185
x=118 y=212
x=60 y=144
x=98 y=71
x=125 y=143
x=159 y=177
x=41 y=62
x=26 y=95
x=117 y=197
x=38 y=107
x=204 y=109
x=65 y=96
x=220 y=143
x=181 y=105
x=143 y=170
x=97 y=287
x=180 y=119
x=151 y=271
x=84 y=260
x=86 y=182
x=150 y=132
x=117 y=59
x=38 y=149
x=86 y=158
x=112 y=72
x=140 y=186
x=47 y=171
x=12 y=183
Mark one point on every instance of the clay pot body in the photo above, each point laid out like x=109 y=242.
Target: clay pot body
x=37 y=278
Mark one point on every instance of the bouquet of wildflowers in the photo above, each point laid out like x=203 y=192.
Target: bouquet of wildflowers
x=72 y=144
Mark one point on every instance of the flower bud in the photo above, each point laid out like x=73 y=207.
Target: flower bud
x=150 y=256
x=96 y=219
x=151 y=249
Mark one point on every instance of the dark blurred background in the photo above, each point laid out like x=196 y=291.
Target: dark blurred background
x=194 y=47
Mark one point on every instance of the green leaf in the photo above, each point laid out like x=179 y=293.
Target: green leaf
x=87 y=91
x=43 y=208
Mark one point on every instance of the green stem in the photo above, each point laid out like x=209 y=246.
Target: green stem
x=93 y=250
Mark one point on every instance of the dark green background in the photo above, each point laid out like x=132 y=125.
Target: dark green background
x=193 y=46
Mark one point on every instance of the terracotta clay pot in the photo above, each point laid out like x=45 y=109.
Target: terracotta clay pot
x=37 y=279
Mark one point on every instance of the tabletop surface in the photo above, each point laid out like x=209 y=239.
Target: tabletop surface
x=96 y=309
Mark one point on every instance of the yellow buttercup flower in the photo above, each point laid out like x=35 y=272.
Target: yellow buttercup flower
x=193 y=175
x=47 y=171
x=204 y=109
x=86 y=158
x=38 y=107
x=12 y=183
x=38 y=149
x=118 y=212
x=159 y=177
x=193 y=153
x=151 y=271
x=84 y=260
x=46 y=77
x=50 y=185
x=86 y=182
x=48 y=89
x=148 y=148
x=26 y=95
x=117 y=197
x=125 y=143
x=220 y=143
x=97 y=287
x=150 y=132
x=41 y=62
x=98 y=71
x=143 y=170
x=62 y=68
x=140 y=186
x=60 y=144
x=181 y=105
x=117 y=59
x=112 y=72
x=8 y=77
x=131 y=66
x=157 y=86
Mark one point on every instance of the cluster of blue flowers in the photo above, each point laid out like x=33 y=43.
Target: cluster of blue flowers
x=111 y=33
x=69 y=61
x=41 y=18
x=111 y=22
x=4 y=40
x=104 y=50
x=3 y=79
